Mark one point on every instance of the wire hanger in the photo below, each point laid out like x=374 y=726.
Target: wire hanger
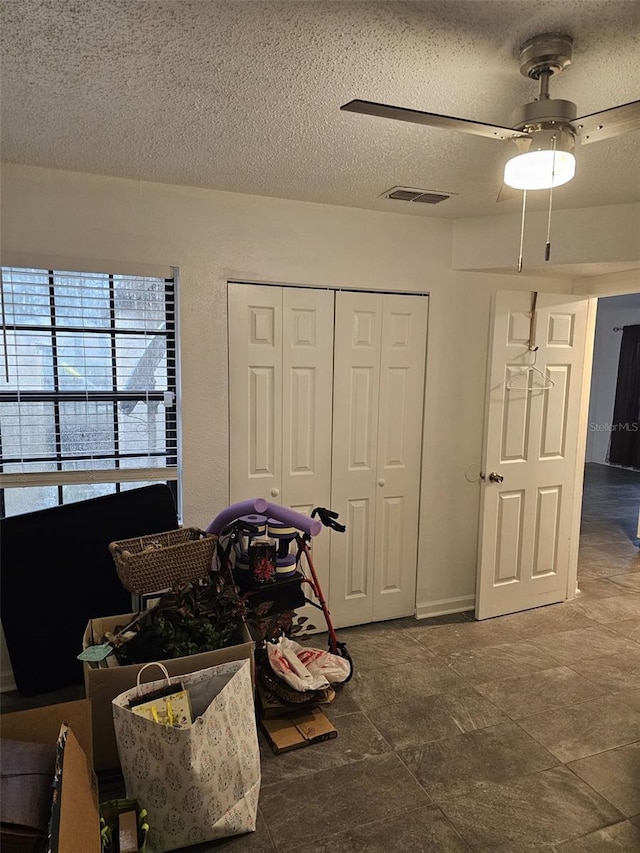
x=531 y=368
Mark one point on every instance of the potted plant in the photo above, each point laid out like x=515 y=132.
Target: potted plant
x=200 y=616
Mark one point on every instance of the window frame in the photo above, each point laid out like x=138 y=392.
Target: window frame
x=118 y=475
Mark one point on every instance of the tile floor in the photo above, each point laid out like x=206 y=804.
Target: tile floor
x=520 y=733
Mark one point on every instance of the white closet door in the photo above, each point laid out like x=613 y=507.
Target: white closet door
x=280 y=394
x=356 y=384
x=325 y=395
x=280 y=400
x=380 y=345
x=307 y=370
x=255 y=391
x=404 y=336
x=307 y=398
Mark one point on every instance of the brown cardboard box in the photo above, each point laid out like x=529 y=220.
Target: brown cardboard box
x=103 y=684
x=79 y=816
x=293 y=732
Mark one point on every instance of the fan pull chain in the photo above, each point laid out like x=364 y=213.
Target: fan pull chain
x=547 y=248
x=524 y=208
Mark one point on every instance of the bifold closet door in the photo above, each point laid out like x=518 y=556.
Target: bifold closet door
x=280 y=399
x=380 y=345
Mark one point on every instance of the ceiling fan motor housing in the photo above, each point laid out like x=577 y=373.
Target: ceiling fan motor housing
x=541 y=57
x=553 y=115
x=550 y=52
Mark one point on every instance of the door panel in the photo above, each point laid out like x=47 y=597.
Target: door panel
x=307 y=405
x=531 y=440
x=356 y=385
x=402 y=358
x=307 y=369
x=378 y=397
x=255 y=391
x=280 y=403
x=326 y=395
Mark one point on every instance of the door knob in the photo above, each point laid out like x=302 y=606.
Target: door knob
x=493 y=477
x=381 y=481
x=275 y=492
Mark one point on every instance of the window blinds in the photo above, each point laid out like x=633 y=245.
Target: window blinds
x=87 y=376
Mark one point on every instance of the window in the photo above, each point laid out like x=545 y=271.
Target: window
x=87 y=386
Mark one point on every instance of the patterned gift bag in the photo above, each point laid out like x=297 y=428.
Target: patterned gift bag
x=202 y=782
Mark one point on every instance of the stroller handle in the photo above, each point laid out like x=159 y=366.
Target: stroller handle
x=312 y=526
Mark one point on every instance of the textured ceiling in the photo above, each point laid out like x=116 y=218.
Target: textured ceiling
x=245 y=96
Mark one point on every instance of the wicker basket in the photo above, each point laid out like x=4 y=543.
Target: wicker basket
x=151 y=563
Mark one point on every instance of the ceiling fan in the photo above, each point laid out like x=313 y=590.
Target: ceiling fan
x=544 y=131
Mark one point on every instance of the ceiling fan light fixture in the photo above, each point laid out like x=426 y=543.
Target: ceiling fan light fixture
x=539 y=170
x=544 y=160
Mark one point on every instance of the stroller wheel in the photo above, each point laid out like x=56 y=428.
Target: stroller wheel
x=341 y=649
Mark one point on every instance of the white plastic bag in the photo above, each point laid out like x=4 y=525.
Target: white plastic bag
x=305 y=668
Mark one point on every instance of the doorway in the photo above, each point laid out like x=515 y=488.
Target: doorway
x=608 y=548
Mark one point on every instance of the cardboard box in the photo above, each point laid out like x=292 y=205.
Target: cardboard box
x=79 y=815
x=293 y=732
x=103 y=683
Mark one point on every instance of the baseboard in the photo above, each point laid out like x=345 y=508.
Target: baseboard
x=444 y=606
x=7 y=682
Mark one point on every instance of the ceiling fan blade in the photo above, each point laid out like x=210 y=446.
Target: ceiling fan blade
x=507 y=193
x=477 y=128
x=608 y=123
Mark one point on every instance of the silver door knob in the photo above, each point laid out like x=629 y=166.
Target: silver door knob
x=493 y=477
x=275 y=492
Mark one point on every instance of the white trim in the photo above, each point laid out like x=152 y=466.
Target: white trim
x=96 y=475
x=7 y=682
x=444 y=606
x=581 y=449
x=63 y=263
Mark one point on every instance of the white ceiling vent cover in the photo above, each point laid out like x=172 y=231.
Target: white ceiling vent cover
x=422 y=196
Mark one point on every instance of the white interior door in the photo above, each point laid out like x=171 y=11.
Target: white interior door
x=280 y=394
x=400 y=414
x=356 y=390
x=255 y=391
x=280 y=403
x=307 y=406
x=380 y=343
x=531 y=441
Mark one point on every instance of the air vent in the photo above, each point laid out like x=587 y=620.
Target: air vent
x=422 y=196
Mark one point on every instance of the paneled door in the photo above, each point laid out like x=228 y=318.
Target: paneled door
x=280 y=400
x=530 y=495
x=326 y=395
x=380 y=345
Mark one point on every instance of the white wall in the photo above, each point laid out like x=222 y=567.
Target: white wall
x=613 y=311
x=53 y=218
x=590 y=236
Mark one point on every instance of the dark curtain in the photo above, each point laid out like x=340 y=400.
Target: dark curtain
x=624 y=448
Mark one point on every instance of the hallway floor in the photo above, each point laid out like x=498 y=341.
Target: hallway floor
x=520 y=733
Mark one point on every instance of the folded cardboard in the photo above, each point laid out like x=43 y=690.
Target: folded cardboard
x=77 y=825
x=103 y=683
x=293 y=732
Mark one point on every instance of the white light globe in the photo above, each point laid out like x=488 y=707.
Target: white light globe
x=539 y=170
